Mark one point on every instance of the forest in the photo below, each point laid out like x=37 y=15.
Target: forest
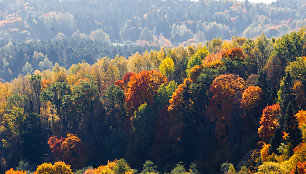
x=69 y=31
x=226 y=106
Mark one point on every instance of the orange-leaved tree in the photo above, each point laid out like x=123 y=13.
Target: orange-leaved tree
x=251 y=97
x=269 y=122
x=226 y=91
x=55 y=146
x=73 y=151
x=180 y=99
x=70 y=149
x=251 y=103
x=125 y=80
x=234 y=54
x=142 y=88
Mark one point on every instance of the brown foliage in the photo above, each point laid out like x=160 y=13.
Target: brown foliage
x=195 y=72
x=251 y=97
x=226 y=91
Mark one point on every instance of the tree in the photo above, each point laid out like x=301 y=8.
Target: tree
x=286 y=93
x=181 y=97
x=197 y=58
x=167 y=67
x=291 y=127
x=266 y=85
x=164 y=94
x=269 y=122
x=21 y=135
x=251 y=97
x=142 y=88
x=73 y=151
x=251 y=103
x=289 y=47
x=301 y=118
x=70 y=149
x=122 y=167
x=149 y=167
x=234 y=61
x=225 y=90
x=55 y=146
x=142 y=134
x=35 y=82
x=262 y=51
x=125 y=80
x=59 y=94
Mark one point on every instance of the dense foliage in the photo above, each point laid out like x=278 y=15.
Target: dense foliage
x=201 y=105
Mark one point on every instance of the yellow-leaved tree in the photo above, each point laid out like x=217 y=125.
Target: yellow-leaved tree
x=167 y=67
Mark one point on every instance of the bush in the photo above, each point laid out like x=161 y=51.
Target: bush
x=57 y=168
x=12 y=171
x=271 y=168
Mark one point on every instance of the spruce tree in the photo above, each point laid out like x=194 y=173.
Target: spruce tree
x=290 y=126
x=288 y=122
x=265 y=84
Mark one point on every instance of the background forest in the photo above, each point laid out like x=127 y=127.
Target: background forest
x=68 y=31
x=223 y=106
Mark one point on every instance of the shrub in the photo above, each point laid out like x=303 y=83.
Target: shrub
x=271 y=168
x=12 y=171
x=57 y=168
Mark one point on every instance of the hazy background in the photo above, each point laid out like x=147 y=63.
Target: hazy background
x=69 y=31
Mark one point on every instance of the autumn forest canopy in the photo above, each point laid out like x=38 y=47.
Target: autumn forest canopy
x=94 y=95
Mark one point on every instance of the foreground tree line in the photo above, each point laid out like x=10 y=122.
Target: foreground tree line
x=187 y=109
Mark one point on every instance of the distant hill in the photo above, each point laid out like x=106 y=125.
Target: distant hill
x=143 y=22
x=35 y=34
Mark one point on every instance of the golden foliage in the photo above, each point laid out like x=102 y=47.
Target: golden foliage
x=177 y=100
x=45 y=168
x=213 y=61
x=4 y=94
x=251 y=97
x=12 y=171
x=167 y=66
x=195 y=72
x=107 y=169
x=264 y=152
x=57 y=168
x=301 y=118
x=73 y=151
x=271 y=168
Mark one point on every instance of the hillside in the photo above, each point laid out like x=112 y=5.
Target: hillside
x=225 y=106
